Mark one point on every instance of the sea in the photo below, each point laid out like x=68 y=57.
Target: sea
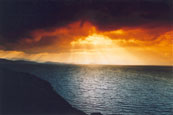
x=109 y=89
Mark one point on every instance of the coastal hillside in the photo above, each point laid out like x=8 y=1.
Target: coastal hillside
x=23 y=93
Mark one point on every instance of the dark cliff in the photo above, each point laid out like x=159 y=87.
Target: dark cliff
x=23 y=93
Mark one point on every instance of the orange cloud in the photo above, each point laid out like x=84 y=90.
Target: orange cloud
x=78 y=41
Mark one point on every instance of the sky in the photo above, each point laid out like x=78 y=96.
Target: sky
x=120 y=32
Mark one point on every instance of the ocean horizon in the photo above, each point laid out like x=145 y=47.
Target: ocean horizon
x=108 y=89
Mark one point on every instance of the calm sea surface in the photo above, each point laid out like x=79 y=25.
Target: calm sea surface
x=111 y=89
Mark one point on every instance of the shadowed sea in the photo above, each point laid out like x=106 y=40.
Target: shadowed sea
x=110 y=89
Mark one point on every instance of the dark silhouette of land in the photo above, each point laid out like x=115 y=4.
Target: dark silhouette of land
x=23 y=93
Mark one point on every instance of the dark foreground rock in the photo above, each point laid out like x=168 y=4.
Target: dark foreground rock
x=96 y=113
x=23 y=93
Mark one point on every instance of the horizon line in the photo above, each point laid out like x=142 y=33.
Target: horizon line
x=53 y=62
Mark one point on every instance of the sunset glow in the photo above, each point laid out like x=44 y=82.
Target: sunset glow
x=93 y=40
x=88 y=45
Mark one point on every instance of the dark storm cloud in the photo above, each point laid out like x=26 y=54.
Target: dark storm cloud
x=20 y=17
